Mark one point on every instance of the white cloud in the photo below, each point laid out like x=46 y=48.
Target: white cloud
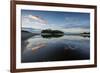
x=38 y=19
x=76 y=30
x=30 y=21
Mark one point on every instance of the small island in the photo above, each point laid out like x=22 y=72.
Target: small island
x=85 y=34
x=48 y=33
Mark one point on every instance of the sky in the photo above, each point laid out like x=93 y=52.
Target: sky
x=65 y=21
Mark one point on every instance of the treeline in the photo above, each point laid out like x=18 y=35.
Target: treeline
x=51 y=31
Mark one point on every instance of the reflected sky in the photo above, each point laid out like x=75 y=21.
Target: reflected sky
x=56 y=49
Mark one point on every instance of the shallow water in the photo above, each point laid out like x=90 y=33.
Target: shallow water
x=67 y=47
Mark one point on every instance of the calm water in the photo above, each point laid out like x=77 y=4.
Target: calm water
x=67 y=47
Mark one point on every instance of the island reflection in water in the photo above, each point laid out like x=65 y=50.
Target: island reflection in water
x=40 y=48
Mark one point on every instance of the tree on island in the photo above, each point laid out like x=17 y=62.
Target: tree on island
x=48 y=33
x=52 y=31
x=85 y=33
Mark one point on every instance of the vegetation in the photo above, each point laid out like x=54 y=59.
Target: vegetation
x=85 y=34
x=48 y=33
x=52 y=32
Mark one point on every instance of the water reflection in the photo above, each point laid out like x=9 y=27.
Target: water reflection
x=40 y=48
x=52 y=36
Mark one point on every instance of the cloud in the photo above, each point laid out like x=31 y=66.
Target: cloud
x=76 y=22
x=32 y=21
x=38 y=19
x=76 y=30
